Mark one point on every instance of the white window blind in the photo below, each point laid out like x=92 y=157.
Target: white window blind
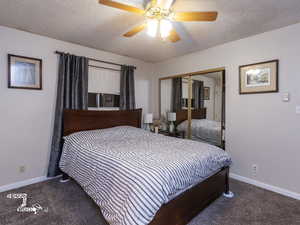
x=104 y=81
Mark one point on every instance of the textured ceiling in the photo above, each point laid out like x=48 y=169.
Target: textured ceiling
x=90 y=24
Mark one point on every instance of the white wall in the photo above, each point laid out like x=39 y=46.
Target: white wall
x=260 y=128
x=26 y=119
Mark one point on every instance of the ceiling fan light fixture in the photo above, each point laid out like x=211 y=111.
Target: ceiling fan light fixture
x=168 y=4
x=152 y=27
x=159 y=15
x=165 y=28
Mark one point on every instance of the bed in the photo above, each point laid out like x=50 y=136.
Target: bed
x=203 y=130
x=137 y=177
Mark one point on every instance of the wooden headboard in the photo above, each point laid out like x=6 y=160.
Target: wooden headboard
x=182 y=115
x=79 y=120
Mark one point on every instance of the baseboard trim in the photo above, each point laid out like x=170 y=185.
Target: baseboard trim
x=24 y=183
x=278 y=190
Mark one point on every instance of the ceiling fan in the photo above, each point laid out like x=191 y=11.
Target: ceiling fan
x=159 y=16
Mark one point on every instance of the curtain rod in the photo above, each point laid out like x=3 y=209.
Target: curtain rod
x=106 y=68
x=96 y=60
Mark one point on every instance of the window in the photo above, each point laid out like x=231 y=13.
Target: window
x=104 y=89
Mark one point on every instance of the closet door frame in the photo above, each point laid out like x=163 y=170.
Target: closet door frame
x=189 y=76
x=223 y=115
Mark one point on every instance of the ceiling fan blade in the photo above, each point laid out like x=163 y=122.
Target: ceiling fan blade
x=173 y=37
x=135 y=30
x=122 y=6
x=195 y=16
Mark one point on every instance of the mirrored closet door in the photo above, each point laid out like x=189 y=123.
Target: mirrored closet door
x=206 y=108
x=194 y=106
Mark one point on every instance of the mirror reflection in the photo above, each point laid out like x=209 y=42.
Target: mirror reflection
x=206 y=109
x=205 y=121
x=172 y=95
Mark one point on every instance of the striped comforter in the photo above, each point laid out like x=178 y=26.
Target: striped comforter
x=130 y=173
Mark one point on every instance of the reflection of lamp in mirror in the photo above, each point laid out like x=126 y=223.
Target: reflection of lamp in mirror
x=171 y=119
x=148 y=119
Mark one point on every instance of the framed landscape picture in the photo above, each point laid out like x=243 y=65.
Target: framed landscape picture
x=259 y=78
x=206 y=93
x=24 y=72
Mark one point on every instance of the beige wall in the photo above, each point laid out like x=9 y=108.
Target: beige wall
x=260 y=129
x=27 y=116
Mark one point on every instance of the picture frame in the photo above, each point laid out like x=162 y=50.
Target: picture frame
x=24 y=72
x=206 y=93
x=259 y=77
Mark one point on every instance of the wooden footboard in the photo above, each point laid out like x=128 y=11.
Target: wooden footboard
x=186 y=206
x=190 y=203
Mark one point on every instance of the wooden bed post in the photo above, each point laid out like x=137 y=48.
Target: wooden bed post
x=227 y=193
x=65 y=178
x=227 y=181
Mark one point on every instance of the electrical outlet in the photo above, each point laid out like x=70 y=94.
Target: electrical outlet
x=22 y=169
x=254 y=170
x=298 y=109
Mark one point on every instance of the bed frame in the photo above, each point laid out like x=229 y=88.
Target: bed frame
x=181 y=209
x=79 y=120
x=182 y=115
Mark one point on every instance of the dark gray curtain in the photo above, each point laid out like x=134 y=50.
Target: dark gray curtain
x=198 y=94
x=127 y=92
x=72 y=92
x=177 y=94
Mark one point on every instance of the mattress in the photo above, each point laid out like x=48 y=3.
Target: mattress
x=130 y=173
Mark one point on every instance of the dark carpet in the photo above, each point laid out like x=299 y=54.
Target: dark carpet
x=67 y=204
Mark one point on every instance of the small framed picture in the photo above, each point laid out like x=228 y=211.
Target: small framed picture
x=24 y=72
x=259 y=78
x=206 y=93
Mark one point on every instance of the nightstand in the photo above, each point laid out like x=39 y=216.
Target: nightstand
x=177 y=134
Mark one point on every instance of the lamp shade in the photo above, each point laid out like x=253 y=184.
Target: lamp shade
x=172 y=116
x=148 y=118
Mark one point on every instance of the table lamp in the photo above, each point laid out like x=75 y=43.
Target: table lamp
x=171 y=119
x=148 y=119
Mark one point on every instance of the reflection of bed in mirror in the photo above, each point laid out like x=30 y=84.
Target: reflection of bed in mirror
x=202 y=129
x=182 y=115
